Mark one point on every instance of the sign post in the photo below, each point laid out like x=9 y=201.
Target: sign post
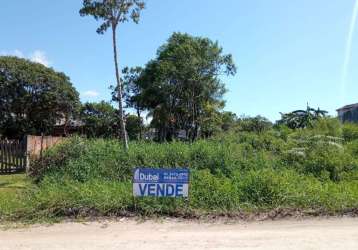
x=149 y=182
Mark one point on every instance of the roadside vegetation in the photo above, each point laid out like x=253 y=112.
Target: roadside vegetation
x=243 y=170
x=305 y=162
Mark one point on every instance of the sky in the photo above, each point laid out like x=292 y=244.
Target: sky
x=288 y=53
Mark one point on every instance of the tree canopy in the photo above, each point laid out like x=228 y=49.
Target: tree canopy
x=112 y=12
x=301 y=118
x=258 y=124
x=182 y=86
x=100 y=120
x=33 y=97
x=132 y=89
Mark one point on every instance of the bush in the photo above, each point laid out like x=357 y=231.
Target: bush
x=350 y=131
x=82 y=160
x=327 y=126
x=230 y=173
x=326 y=160
x=261 y=188
x=213 y=193
x=352 y=148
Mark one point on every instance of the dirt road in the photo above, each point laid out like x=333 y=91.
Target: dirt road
x=128 y=234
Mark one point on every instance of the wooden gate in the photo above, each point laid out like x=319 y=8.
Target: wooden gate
x=12 y=156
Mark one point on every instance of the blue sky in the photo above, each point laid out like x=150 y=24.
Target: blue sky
x=288 y=52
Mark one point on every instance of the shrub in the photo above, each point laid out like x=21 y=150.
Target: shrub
x=83 y=160
x=261 y=188
x=327 y=126
x=350 y=131
x=232 y=172
x=213 y=193
x=326 y=160
x=58 y=157
x=352 y=148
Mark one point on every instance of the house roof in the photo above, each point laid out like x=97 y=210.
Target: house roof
x=71 y=123
x=348 y=107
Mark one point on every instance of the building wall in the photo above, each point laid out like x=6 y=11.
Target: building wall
x=349 y=115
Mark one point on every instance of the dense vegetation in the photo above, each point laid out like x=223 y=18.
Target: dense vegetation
x=181 y=88
x=305 y=162
x=181 y=95
x=33 y=98
x=244 y=170
x=302 y=118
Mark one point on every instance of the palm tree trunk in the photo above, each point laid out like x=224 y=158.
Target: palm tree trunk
x=140 y=124
x=119 y=86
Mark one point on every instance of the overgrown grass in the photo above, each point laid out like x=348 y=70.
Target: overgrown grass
x=308 y=170
x=255 y=191
x=12 y=187
x=12 y=183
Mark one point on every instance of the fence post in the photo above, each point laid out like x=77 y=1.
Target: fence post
x=27 y=154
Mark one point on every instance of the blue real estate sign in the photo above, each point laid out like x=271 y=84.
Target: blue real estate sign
x=161 y=182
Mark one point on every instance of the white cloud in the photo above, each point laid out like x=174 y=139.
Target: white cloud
x=37 y=56
x=91 y=93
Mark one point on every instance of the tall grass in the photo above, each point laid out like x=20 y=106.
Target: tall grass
x=313 y=169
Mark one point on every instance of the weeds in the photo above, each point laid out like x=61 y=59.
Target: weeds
x=231 y=173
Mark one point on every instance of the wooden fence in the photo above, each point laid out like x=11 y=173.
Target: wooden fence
x=13 y=156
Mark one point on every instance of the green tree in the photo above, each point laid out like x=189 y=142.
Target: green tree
x=229 y=120
x=301 y=118
x=33 y=98
x=135 y=127
x=100 y=120
x=182 y=84
x=212 y=121
x=256 y=124
x=131 y=89
x=132 y=97
x=112 y=13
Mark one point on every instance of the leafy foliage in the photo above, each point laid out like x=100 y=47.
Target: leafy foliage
x=324 y=157
x=132 y=89
x=231 y=172
x=112 y=12
x=256 y=124
x=181 y=88
x=100 y=120
x=135 y=127
x=350 y=131
x=301 y=118
x=33 y=98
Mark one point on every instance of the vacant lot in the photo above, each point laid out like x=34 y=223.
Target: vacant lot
x=308 y=171
x=307 y=234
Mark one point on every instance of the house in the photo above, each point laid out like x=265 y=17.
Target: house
x=65 y=127
x=348 y=113
x=151 y=134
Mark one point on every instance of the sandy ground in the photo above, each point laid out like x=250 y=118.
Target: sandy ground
x=170 y=234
